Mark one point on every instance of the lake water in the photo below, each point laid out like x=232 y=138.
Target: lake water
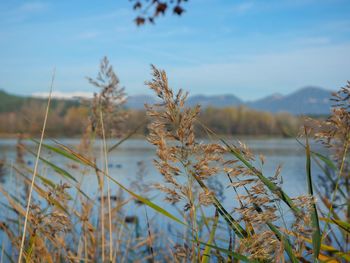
x=123 y=166
x=123 y=162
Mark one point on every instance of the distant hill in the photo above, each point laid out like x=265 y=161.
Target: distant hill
x=138 y=101
x=308 y=100
x=10 y=103
x=14 y=103
x=217 y=101
x=265 y=102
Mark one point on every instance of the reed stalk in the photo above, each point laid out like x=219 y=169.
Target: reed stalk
x=108 y=189
x=35 y=169
x=330 y=211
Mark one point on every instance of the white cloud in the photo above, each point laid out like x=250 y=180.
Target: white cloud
x=64 y=95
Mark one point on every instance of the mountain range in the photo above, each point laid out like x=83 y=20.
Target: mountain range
x=308 y=101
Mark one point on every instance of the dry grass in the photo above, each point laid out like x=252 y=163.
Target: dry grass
x=35 y=172
x=67 y=225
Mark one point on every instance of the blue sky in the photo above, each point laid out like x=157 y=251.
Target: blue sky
x=247 y=48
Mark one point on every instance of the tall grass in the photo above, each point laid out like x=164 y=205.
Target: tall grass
x=35 y=171
x=63 y=225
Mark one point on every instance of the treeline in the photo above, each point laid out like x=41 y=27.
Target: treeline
x=245 y=121
x=72 y=121
x=14 y=103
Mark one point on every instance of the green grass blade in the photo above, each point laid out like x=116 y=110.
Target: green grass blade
x=342 y=224
x=327 y=248
x=126 y=137
x=269 y=184
x=59 y=151
x=286 y=242
x=282 y=237
x=147 y=202
x=69 y=153
x=46 y=181
x=206 y=253
x=230 y=253
x=236 y=227
x=327 y=174
x=329 y=163
x=82 y=159
x=44 y=195
x=57 y=169
x=326 y=160
x=53 y=185
x=316 y=233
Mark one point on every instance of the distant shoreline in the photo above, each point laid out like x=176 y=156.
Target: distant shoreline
x=139 y=136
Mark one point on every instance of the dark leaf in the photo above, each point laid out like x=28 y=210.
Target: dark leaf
x=139 y=20
x=178 y=10
x=161 y=8
x=137 y=5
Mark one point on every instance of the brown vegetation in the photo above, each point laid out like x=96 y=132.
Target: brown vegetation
x=71 y=122
x=73 y=226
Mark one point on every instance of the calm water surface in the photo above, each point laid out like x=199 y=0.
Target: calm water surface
x=123 y=166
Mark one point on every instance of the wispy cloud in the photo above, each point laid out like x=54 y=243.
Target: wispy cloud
x=254 y=76
x=21 y=13
x=64 y=95
x=33 y=7
x=259 y=47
